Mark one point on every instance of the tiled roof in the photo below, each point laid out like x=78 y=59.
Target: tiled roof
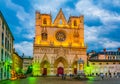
x=104 y=60
x=110 y=53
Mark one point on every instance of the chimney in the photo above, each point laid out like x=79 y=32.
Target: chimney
x=104 y=49
x=119 y=49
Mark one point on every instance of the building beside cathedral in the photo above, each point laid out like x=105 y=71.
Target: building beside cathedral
x=6 y=49
x=58 y=45
x=106 y=62
x=17 y=62
x=27 y=62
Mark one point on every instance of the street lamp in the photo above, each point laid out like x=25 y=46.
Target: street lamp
x=80 y=66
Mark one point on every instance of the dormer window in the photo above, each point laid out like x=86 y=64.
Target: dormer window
x=44 y=21
x=75 y=23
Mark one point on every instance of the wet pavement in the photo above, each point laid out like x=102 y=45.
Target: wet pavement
x=59 y=80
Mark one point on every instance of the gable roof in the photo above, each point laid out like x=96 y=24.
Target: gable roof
x=60 y=16
x=45 y=58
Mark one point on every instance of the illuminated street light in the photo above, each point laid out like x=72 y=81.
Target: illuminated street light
x=80 y=66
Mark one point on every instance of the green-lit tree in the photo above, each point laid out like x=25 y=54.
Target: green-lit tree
x=29 y=70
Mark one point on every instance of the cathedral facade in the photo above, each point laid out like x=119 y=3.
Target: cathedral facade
x=58 y=45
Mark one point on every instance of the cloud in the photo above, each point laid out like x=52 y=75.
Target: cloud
x=29 y=35
x=116 y=3
x=87 y=8
x=110 y=44
x=24 y=47
x=113 y=3
x=96 y=36
x=46 y=6
x=91 y=34
x=96 y=39
x=26 y=20
x=21 y=14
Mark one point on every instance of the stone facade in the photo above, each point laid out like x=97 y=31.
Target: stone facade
x=58 y=45
x=6 y=49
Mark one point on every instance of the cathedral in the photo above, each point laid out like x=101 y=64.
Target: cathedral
x=58 y=45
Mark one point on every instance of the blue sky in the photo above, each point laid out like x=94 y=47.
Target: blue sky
x=101 y=17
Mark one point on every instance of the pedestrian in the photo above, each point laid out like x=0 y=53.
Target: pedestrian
x=70 y=76
x=110 y=75
x=62 y=76
x=102 y=75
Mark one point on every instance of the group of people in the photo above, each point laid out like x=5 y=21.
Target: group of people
x=63 y=76
x=72 y=75
x=101 y=75
x=109 y=75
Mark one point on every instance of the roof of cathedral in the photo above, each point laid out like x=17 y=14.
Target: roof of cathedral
x=60 y=14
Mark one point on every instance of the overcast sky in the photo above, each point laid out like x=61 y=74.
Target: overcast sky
x=101 y=17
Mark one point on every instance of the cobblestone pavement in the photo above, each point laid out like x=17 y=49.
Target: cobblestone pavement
x=58 y=80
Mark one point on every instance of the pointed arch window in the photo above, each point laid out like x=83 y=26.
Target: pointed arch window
x=44 y=21
x=44 y=36
x=75 y=23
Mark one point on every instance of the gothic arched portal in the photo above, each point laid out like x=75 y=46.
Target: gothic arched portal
x=74 y=67
x=60 y=64
x=45 y=66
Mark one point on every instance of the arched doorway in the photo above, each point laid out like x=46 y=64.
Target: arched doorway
x=60 y=64
x=60 y=70
x=45 y=65
x=44 y=70
x=75 y=70
x=74 y=66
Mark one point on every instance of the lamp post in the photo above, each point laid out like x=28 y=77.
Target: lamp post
x=80 y=66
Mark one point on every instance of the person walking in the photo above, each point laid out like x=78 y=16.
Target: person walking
x=102 y=76
x=70 y=76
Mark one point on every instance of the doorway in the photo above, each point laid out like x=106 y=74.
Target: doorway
x=75 y=70
x=60 y=71
x=44 y=71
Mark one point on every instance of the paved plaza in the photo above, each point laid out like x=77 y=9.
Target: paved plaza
x=58 y=80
